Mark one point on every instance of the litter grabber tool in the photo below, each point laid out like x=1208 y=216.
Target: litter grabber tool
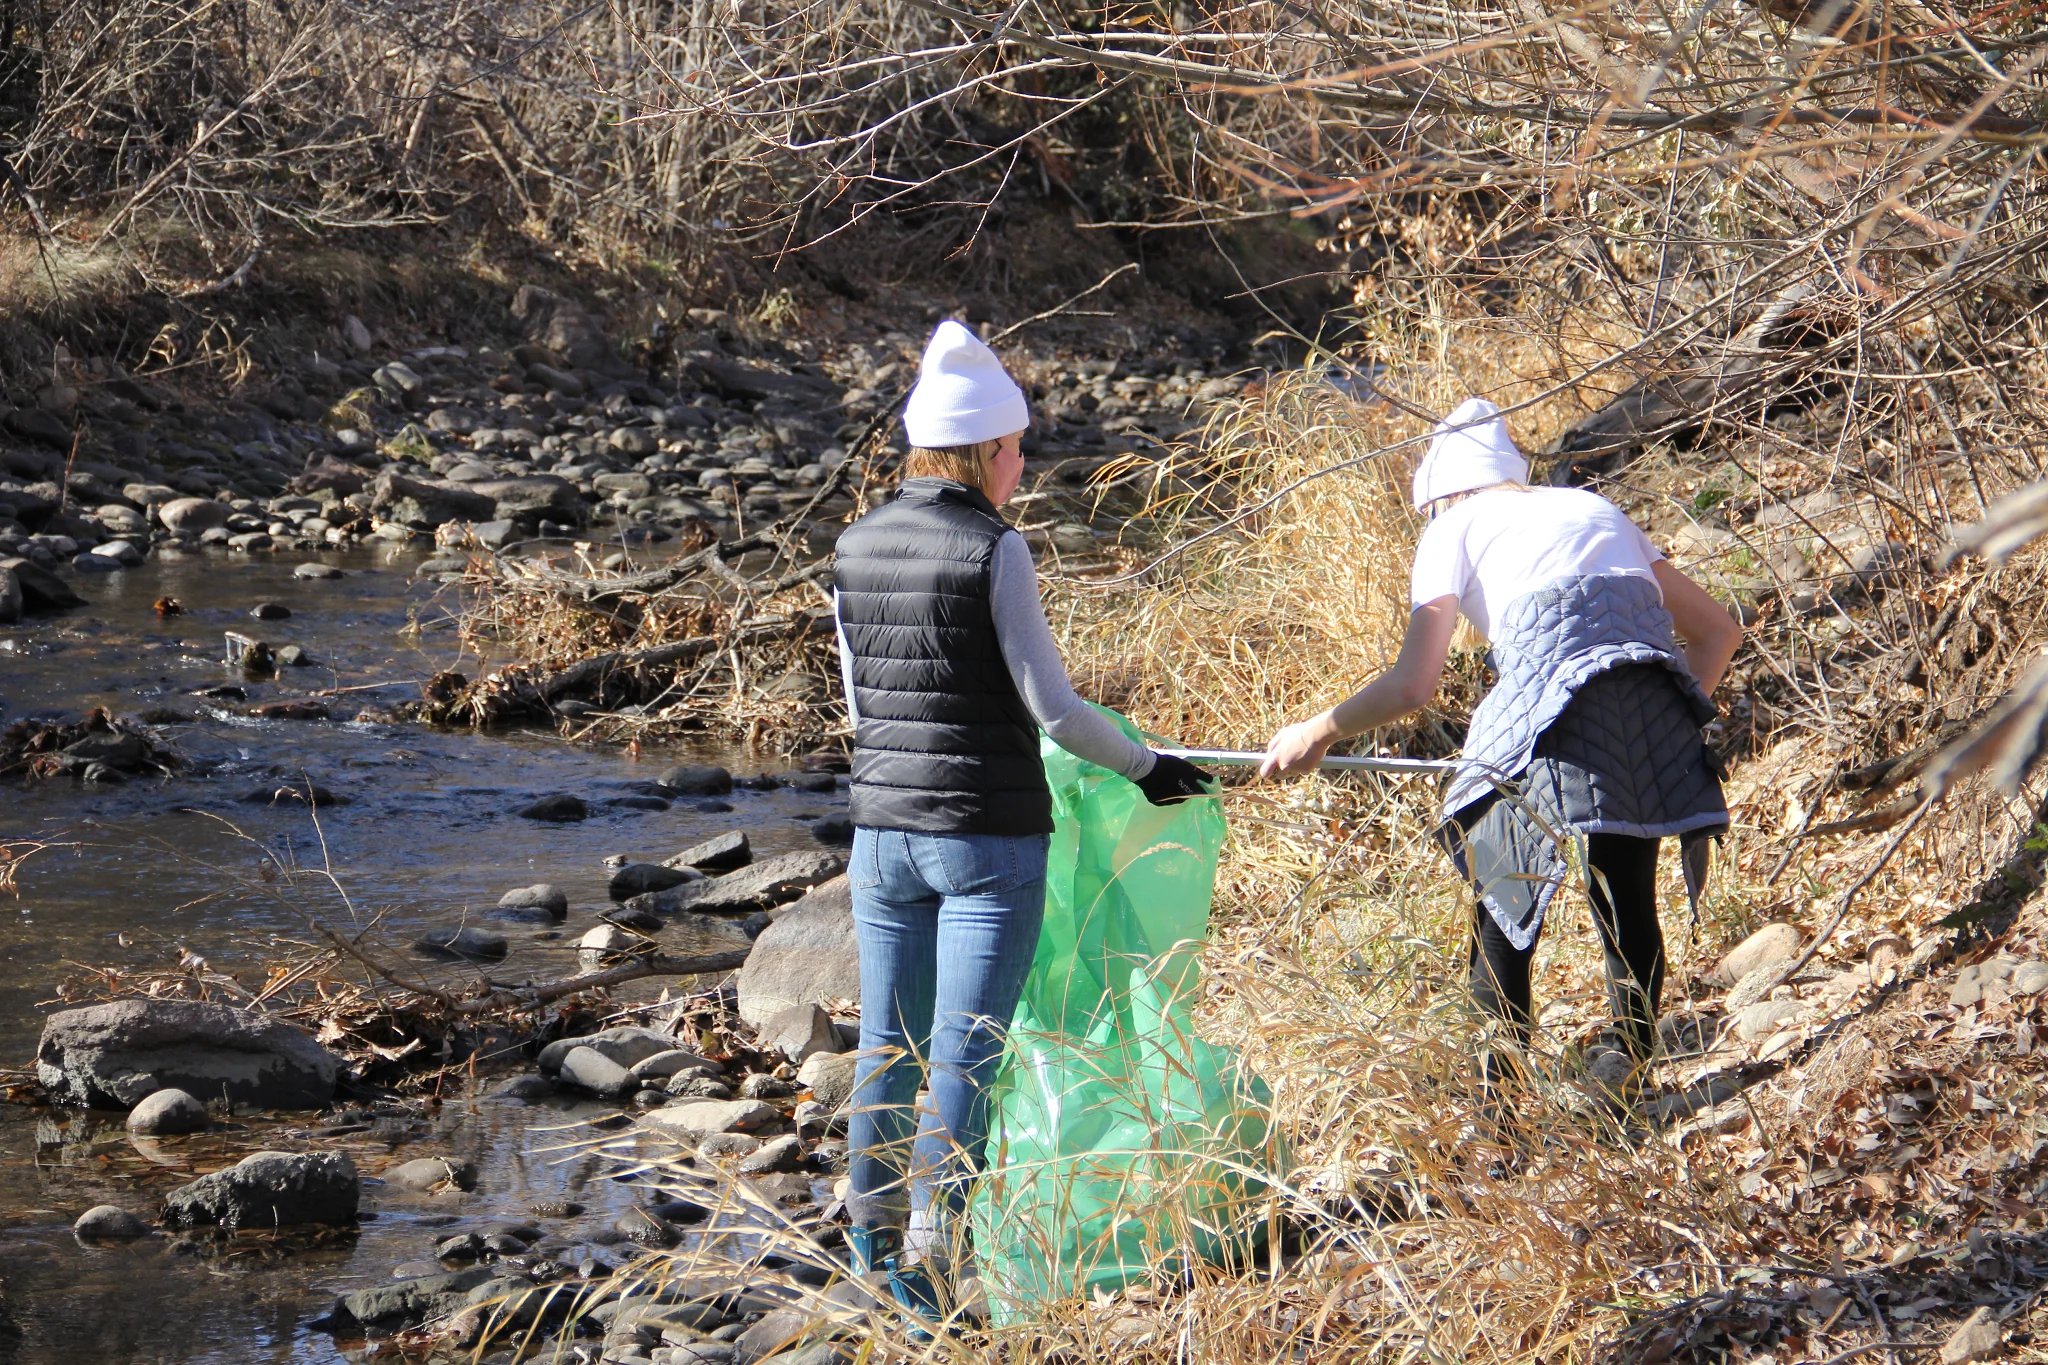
x=1339 y=763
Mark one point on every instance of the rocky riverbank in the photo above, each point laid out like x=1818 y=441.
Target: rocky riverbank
x=555 y=430
x=719 y=1116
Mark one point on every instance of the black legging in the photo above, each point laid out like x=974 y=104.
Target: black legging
x=1622 y=874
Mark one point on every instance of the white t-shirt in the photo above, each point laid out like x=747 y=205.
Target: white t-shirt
x=1494 y=546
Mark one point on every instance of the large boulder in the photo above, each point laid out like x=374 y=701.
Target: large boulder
x=531 y=495
x=773 y=881
x=41 y=590
x=415 y=502
x=808 y=956
x=111 y=1056
x=270 y=1189
x=407 y=1303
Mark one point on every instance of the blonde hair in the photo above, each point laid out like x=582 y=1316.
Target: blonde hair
x=962 y=464
x=1438 y=506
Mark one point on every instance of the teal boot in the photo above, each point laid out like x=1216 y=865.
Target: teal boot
x=874 y=1249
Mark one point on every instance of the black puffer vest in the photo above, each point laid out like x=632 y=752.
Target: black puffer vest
x=945 y=745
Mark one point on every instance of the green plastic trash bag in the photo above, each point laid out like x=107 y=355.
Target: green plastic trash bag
x=1121 y=1144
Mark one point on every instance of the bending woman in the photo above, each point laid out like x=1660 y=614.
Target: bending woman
x=950 y=672
x=1593 y=726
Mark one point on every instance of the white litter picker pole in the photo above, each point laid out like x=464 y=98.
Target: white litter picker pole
x=1418 y=766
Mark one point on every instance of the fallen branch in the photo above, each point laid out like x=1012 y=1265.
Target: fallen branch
x=501 y=996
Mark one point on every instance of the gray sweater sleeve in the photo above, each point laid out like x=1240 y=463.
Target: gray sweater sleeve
x=1034 y=659
x=845 y=662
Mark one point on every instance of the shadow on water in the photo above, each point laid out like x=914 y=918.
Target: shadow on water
x=423 y=836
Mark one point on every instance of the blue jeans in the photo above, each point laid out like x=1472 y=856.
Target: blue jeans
x=947 y=926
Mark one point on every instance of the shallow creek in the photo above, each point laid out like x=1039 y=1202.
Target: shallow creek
x=424 y=836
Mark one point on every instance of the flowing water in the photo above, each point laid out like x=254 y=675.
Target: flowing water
x=139 y=874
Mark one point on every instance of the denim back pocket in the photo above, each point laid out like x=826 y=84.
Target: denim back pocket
x=864 y=866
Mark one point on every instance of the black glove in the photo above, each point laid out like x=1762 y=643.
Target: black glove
x=1172 y=780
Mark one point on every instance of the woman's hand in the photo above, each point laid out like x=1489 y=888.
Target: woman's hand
x=1298 y=748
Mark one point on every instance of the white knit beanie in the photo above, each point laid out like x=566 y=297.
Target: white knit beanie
x=964 y=395
x=1469 y=449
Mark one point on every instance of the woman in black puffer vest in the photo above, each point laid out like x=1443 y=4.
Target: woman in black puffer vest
x=950 y=671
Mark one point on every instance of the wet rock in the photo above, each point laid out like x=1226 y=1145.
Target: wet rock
x=836 y=830
x=646 y=1228
x=636 y=802
x=539 y=901
x=605 y=944
x=528 y=1088
x=800 y=1031
x=807 y=956
x=429 y=1173
x=295 y=656
x=310 y=794
x=112 y=1055
x=783 y=1154
x=756 y=887
x=691 y=779
x=640 y=879
x=693 y=1119
x=697 y=1085
x=588 y=1069
x=316 y=571
x=626 y=1045
x=464 y=941
x=41 y=590
x=109 y=1223
x=270 y=1189
x=393 y=1307
x=639 y=920
x=10 y=597
x=270 y=611
x=557 y=809
x=724 y=1146
x=830 y=1078
x=167 y=1112
x=726 y=853
x=1768 y=946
